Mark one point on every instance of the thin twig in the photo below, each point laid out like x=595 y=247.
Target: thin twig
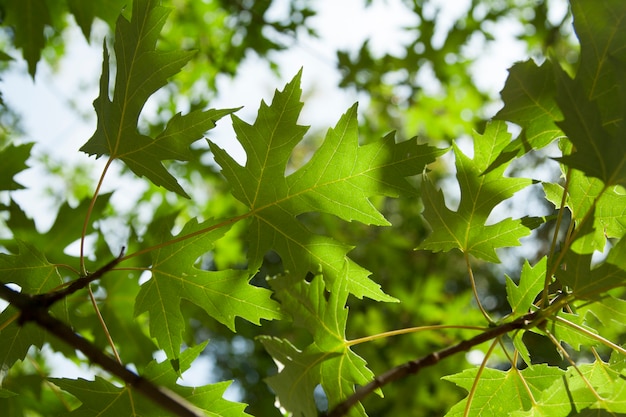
x=44 y=301
x=162 y=396
x=417 y=365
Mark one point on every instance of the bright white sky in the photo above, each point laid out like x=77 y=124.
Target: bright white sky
x=60 y=130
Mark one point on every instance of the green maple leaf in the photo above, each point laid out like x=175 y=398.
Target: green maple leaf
x=101 y=398
x=298 y=377
x=13 y=159
x=328 y=361
x=601 y=29
x=587 y=283
x=35 y=275
x=531 y=283
x=340 y=179
x=608 y=205
x=608 y=383
x=62 y=232
x=141 y=71
x=86 y=11
x=503 y=393
x=608 y=309
x=528 y=97
x=465 y=229
x=224 y=294
x=28 y=19
x=593 y=103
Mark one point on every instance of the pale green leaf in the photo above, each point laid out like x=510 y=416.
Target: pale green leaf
x=501 y=393
x=101 y=398
x=465 y=229
x=224 y=294
x=328 y=361
x=585 y=194
x=531 y=283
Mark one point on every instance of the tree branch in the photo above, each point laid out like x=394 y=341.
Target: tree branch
x=416 y=365
x=44 y=301
x=35 y=313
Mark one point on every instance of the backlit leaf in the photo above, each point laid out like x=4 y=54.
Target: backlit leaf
x=29 y=269
x=466 y=228
x=340 y=179
x=13 y=159
x=531 y=282
x=101 y=398
x=141 y=71
x=224 y=294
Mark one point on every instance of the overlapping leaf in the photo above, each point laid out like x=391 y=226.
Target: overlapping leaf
x=466 y=228
x=593 y=104
x=529 y=101
x=141 y=71
x=501 y=393
x=328 y=361
x=101 y=398
x=608 y=217
x=62 y=232
x=13 y=159
x=29 y=269
x=601 y=30
x=339 y=179
x=224 y=294
x=28 y=18
x=586 y=282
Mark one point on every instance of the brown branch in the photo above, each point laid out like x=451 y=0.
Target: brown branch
x=30 y=312
x=44 y=301
x=416 y=365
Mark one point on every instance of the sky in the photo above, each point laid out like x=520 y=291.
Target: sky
x=59 y=130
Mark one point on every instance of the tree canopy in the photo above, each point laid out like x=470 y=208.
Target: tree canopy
x=425 y=255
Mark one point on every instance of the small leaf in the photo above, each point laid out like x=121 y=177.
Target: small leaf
x=328 y=361
x=466 y=228
x=299 y=375
x=13 y=159
x=531 y=283
x=101 y=398
x=585 y=194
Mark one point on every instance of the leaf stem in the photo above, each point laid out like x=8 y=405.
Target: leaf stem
x=103 y=324
x=475 y=290
x=567 y=356
x=555 y=238
x=409 y=330
x=566 y=246
x=481 y=368
x=587 y=333
x=83 y=270
x=187 y=236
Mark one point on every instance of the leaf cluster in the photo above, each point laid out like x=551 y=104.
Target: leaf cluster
x=284 y=256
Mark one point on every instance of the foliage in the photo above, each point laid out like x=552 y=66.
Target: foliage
x=306 y=254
